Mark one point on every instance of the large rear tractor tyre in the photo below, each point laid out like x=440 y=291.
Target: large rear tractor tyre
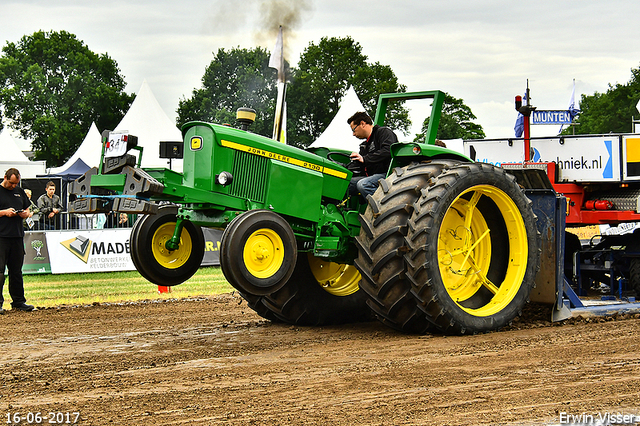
x=318 y=293
x=258 y=252
x=382 y=245
x=150 y=255
x=475 y=249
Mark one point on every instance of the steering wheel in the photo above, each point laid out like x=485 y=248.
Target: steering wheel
x=339 y=154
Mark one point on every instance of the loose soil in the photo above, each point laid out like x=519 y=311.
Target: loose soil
x=214 y=361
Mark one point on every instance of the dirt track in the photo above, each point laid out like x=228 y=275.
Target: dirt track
x=213 y=361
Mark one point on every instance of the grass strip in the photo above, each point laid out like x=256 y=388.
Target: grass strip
x=113 y=287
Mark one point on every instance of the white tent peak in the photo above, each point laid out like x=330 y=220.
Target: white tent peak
x=9 y=148
x=12 y=156
x=89 y=151
x=338 y=133
x=147 y=120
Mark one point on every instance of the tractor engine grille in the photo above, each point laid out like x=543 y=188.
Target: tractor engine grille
x=250 y=176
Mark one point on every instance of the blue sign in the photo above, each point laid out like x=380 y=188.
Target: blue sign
x=551 y=117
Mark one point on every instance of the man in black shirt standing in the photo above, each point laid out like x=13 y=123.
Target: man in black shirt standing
x=14 y=206
x=374 y=155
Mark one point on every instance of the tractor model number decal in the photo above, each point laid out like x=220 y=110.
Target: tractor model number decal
x=283 y=158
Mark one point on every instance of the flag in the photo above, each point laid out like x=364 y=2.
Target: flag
x=277 y=61
x=519 y=127
x=573 y=111
x=277 y=57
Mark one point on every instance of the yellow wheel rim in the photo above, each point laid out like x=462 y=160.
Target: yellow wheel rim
x=464 y=252
x=337 y=279
x=170 y=259
x=263 y=253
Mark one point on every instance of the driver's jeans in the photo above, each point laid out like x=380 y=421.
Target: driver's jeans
x=364 y=185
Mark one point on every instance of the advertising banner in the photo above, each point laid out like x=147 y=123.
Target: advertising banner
x=579 y=158
x=89 y=251
x=99 y=250
x=36 y=258
x=582 y=159
x=211 y=246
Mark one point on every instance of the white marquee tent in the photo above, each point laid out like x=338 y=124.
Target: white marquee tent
x=89 y=151
x=12 y=156
x=147 y=120
x=338 y=133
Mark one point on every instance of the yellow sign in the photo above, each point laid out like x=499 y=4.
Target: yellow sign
x=633 y=150
x=283 y=158
x=196 y=143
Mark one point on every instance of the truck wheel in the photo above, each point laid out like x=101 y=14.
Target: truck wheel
x=381 y=245
x=634 y=275
x=634 y=264
x=150 y=255
x=318 y=293
x=258 y=252
x=572 y=244
x=474 y=249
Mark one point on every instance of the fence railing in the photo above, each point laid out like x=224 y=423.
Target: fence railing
x=71 y=221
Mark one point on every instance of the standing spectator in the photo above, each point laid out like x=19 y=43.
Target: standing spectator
x=50 y=207
x=28 y=223
x=123 y=222
x=14 y=206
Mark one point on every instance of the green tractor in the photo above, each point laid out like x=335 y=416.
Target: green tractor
x=444 y=244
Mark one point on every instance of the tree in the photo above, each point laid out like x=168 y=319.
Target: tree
x=456 y=122
x=324 y=73
x=234 y=79
x=608 y=112
x=52 y=87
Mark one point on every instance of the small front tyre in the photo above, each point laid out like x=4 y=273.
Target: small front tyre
x=149 y=252
x=258 y=252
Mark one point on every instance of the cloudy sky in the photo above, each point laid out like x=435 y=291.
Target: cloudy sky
x=482 y=51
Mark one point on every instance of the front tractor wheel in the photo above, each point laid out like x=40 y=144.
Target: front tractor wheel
x=259 y=257
x=258 y=252
x=474 y=250
x=151 y=256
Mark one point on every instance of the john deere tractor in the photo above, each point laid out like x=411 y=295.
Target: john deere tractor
x=444 y=243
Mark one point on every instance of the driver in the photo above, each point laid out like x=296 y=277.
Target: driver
x=374 y=156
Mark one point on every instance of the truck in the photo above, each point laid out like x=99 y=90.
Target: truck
x=600 y=177
x=445 y=244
